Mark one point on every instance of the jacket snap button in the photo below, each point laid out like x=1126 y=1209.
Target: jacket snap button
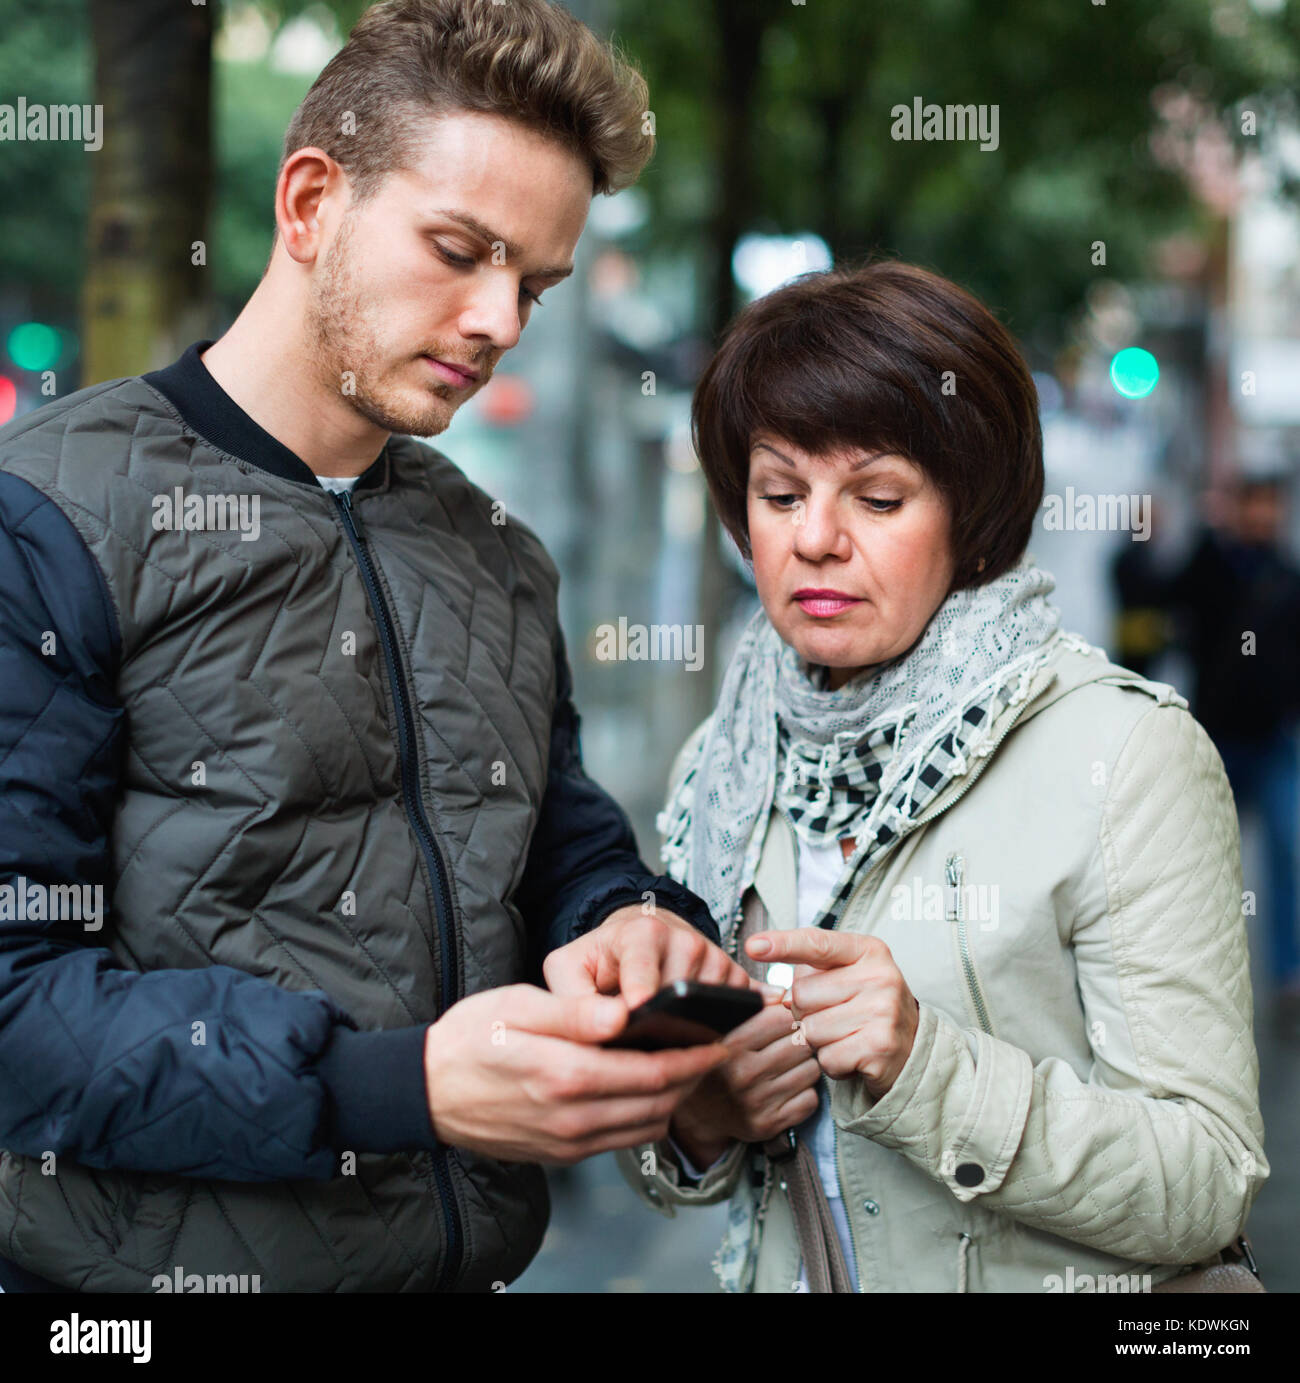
x=970 y=1174
x=871 y=1207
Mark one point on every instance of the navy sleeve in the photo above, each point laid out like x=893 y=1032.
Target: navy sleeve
x=98 y=1062
x=583 y=861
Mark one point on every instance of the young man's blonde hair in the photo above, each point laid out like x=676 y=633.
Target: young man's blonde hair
x=526 y=59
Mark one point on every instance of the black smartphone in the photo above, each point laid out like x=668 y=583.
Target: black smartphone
x=686 y=1014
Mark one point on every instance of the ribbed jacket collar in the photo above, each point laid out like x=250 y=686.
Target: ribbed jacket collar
x=213 y=414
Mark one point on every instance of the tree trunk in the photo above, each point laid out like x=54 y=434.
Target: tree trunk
x=145 y=298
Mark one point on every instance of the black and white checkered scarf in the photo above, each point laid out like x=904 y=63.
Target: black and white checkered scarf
x=863 y=761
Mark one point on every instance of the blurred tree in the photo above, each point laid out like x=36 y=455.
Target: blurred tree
x=254 y=104
x=776 y=117
x=811 y=112
x=344 y=12
x=44 y=56
x=145 y=288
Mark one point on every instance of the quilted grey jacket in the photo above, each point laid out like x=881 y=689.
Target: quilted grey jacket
x=324 y=766
x=1080 y=1105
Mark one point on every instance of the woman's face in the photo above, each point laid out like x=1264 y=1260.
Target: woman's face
x=851 y=552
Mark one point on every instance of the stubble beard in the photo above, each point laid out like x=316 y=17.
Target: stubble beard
x=350 y=357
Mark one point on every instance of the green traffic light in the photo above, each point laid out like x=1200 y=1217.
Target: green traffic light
x=34 y=346
x=1134 y=372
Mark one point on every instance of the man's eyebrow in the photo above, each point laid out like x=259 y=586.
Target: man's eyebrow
x=476 y=227
x=856 y=466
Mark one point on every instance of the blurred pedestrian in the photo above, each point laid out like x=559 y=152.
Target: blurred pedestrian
x=1142 y=625
x=1237 y=599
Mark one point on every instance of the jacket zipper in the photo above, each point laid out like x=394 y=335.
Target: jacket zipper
x=415 y=813
x=955 y=868
x=839 y=1186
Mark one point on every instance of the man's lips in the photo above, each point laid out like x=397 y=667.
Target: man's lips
x=462 y=376
x=822 y=603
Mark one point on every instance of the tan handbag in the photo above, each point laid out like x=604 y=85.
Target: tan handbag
x=1230 y=1270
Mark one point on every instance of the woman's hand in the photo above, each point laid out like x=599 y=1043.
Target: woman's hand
x=768 y=1086
x=854 y=1006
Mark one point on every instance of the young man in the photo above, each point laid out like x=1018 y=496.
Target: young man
x=289 y=692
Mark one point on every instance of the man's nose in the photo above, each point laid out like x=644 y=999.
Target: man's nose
x=491 y=310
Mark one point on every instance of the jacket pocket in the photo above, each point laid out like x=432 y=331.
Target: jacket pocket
x=957 y=910
x=137 y=1216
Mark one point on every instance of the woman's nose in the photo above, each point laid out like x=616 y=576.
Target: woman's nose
x=818 y=530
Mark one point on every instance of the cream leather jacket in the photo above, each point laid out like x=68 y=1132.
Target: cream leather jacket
x=1079 y=1110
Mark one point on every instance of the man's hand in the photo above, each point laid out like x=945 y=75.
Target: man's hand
x=513 y=1074
x=854 y=1006
x=768 y=1086
x=635 y=954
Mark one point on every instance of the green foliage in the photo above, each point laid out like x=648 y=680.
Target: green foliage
x=345 y=12
x=253 y=107
x=1073 y=83
x=44 y=187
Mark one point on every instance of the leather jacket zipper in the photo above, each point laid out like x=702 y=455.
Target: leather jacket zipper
x=410 y=775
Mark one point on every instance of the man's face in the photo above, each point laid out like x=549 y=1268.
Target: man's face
x=1261 y=512
x=405 y=281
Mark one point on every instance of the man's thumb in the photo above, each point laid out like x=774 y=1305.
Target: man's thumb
x=578 y=1018
x=597 y=1017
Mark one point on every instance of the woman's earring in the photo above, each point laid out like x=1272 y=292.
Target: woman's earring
x=981 y=565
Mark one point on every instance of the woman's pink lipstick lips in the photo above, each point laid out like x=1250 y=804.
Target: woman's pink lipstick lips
x=824 y=604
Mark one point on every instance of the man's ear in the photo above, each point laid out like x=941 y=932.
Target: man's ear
x=309 y=182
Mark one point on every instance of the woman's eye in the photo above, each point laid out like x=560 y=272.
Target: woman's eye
x=778 y=500
x=883 y=506
x=529 y=294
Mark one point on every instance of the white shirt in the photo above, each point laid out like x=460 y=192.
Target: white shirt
x=818 y=871
x=338 y=484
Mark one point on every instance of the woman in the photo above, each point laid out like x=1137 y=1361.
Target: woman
x=1016 y=1054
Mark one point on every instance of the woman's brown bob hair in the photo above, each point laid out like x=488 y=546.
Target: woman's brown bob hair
x=891 y=359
